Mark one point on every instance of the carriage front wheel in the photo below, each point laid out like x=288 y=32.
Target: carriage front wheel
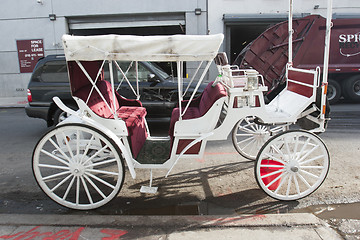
x=248 y=137
x=292 y=165
x=78 y=166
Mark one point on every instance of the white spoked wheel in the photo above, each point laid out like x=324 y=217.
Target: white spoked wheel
x=248 y=136
x=78 y=166
x=292 y=165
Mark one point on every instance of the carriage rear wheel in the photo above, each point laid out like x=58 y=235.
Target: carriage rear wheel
x=292 y=165
x=78 y=166
x=248 y=137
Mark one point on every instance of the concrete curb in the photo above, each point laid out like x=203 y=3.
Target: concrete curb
x=255 y=227
x=273 y=220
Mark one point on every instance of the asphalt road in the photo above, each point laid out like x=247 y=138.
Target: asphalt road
x=221 y=183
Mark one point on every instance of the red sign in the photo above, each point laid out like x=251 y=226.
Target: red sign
x=29 y=51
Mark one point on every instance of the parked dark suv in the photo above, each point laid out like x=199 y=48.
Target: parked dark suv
x=158 y=89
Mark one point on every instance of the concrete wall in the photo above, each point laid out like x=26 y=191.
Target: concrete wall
x=29 y=19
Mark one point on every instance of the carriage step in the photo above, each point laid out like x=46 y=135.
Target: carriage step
x=148 y=189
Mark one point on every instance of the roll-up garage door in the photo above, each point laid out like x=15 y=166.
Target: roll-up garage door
x=140 y=24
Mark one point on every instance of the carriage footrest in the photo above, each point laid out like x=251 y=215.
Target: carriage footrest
x=154 y=151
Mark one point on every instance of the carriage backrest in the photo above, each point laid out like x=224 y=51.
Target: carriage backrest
x=96 y=103
x=302 y=82
x=78 y=78
x=210 y=95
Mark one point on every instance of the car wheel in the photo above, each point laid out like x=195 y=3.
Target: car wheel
x=333 y=92
x=59 y=116
x=352 y=88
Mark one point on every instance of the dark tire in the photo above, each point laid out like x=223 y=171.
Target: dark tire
x=59 y=116
x=351 y=88
x=333 y=92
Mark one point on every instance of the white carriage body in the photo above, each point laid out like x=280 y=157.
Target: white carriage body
x=86 y=150
x=243 y=97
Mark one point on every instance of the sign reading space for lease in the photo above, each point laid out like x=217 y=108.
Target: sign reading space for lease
x=29 y=51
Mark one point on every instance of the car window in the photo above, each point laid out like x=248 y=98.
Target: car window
x=130 y=70
x=55 y=71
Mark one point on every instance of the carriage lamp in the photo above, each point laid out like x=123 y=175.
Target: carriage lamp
x=253 y=81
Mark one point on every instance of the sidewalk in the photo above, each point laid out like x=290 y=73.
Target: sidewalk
x=255 y=227
x=13 y=102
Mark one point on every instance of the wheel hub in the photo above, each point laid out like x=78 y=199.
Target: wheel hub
x=293 y=166
x=78 y=166
x=294 y=169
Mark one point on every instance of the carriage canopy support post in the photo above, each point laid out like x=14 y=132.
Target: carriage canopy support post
x=290 y=33
x=326 y=58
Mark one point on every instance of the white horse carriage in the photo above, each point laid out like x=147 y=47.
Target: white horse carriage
x=81 y=163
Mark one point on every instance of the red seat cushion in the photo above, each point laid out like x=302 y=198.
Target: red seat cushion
x=135 y=123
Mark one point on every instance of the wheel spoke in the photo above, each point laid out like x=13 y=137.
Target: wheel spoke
x=272 y=173
x=95 y=154
x=60 y=183
x=283 y=178
x=86 y=190
x=102 y=172
x=274 y=158
x=312 y=167
x=94 y=186
x=288 y=186
x=244 y=134
x=56 y=175
x=303 y=148
x=277 y=150
x=101 y=163
x=296 y=184
x=304 y=180
x=66 y=141
x=77 y=191
x=54 y=157
x=246 y=139
x=249 y=143
x=77 y=142
x=309 y=174
x=287 y=146
x=68 y=188
x=53 y=166
x=59 y=149
x=308 y=153
x=312 y=159
x=273 y=181
x=87 y=148
x=100 y=180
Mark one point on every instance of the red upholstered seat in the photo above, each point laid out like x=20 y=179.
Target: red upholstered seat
x=131 y=111
x=134 y=120
x=200 y=105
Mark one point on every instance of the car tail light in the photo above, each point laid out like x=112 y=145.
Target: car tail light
x=29 y=97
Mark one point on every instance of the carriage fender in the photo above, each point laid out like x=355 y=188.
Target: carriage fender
x=77 y=117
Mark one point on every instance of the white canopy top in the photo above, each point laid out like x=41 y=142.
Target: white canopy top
x=142 y=48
